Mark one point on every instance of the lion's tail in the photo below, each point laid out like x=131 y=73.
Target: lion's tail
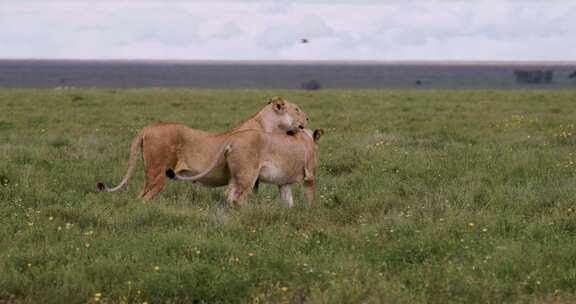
x=136 y=145
x=226 y=148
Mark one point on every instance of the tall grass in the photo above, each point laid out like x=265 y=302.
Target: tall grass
x=424 y=197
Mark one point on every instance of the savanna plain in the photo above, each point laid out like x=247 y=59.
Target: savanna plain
x=423 y=197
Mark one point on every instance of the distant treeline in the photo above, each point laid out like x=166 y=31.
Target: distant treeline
x=282 y=75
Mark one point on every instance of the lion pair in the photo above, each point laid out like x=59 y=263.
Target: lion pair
x=257 y=150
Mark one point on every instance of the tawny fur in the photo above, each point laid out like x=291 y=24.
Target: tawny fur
x=183 y=149
x=276 y=159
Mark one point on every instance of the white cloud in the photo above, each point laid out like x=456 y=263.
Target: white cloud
x=258 y=29
x=227 y=31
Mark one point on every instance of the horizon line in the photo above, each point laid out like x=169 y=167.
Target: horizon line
x=300 y=61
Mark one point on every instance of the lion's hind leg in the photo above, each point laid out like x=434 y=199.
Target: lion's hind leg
x=240 y=185
x=154 y=187
x=158 y=158
x=243 y=175
x=237 y=192
x=153 y=184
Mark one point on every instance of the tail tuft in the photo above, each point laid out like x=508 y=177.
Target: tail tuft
x=170 y=173
x=101 y=186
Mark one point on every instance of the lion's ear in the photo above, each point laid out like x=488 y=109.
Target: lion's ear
x=318 y=134
x=278 y=103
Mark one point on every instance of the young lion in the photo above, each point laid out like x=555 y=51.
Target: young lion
x=176 y=146
x=276 y=159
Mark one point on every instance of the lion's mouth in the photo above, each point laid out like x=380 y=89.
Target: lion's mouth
x=293 y=132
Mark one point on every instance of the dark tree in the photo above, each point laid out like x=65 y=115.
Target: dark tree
x=311 y=85
x=534 y=76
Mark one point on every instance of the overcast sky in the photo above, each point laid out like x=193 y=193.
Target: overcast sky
x=273 y=29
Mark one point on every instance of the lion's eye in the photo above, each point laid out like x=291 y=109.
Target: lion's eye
x=297 y=110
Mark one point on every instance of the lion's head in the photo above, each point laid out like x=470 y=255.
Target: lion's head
x=289 y=116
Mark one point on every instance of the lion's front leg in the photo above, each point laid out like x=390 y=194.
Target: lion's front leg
x=310 y=191
x=286 y=194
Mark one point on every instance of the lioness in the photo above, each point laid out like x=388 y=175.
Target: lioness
x=276 y=159
x=176 y=146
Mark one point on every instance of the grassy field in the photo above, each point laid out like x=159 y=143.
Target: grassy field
x=424 y=197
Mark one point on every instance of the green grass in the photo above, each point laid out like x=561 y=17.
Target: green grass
x=424 y=197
